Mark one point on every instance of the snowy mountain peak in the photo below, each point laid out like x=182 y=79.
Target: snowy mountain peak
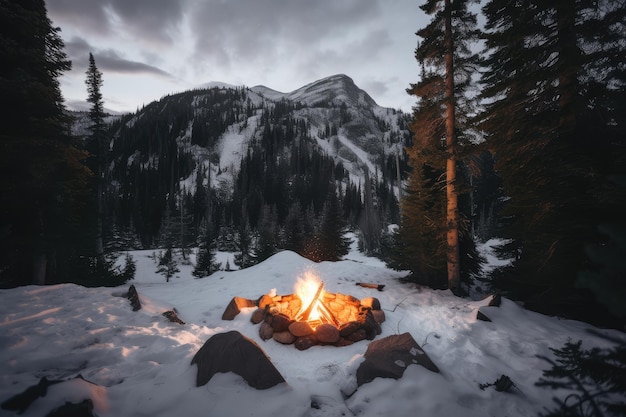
x=335 y=89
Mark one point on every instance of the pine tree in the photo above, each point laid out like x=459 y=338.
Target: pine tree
x=43 y=184
x=168 y=266
x=267 y=231
x=554 y=133
x=441 y=131
x=594 y=377
x=329 y=242
x=205 y=259
x=98 y=144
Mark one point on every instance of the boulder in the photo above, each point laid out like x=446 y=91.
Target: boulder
x=284 y=337
x=327 y=333
x=265 y=331
x=379 y=316
x=233 y=352
x=258 y=316
x=280 y=323
x=235 y=306
x=389 y=357
x=172 y=316
x=81 y=409
x=372 y=302
x=305 y=342
x=482 y=316
x=133 y=296
x=300 y=328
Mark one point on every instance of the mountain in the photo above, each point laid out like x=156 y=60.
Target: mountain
x=255 y=147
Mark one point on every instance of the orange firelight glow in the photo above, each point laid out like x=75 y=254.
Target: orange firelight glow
x=306 y=287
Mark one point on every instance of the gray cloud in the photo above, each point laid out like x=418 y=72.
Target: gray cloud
x=107 y=60
x=151 y=20
x=247 y=31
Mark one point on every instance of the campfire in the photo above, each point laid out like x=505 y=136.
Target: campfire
x=313 y=316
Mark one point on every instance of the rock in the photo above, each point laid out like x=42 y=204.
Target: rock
x=173 y=317
x=481 y=316
x=349 y=328
x=389 y=357
x=258 y=316
x=305 y=342
x=233 y=352
x=496 y=300
x=300 y=328
x=280 y=323
x=284 y=337
x=371 y=302
x=327 y=333
x=23 y=400
x=379 y=316
x=235 y=306
x=81 y=409
x=371 y=326
x=357 y=336
x=265 y=331
x=133 y=296
x=344 y=342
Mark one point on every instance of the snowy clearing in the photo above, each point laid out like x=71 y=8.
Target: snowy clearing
x=141 y=362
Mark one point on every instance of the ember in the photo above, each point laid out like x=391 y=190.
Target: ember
x=313 y=316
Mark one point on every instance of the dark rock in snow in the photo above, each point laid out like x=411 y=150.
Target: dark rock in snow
x=481 y=316
x=173 y=317
x=390 y=356
x=496 y=300
x=233 y=352
x=23 y=400
x=133 y=296
x=81 y=409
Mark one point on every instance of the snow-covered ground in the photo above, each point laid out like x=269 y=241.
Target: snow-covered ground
x=139 y=363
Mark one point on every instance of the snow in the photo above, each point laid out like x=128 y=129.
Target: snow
x=141 y=362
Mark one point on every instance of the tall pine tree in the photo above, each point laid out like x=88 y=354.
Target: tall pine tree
x=552 y=89
x=441 y=138
x=97 y=146
x=43 y=183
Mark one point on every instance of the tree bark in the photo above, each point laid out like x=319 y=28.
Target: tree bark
x=452 y=212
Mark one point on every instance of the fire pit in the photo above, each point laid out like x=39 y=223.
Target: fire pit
x=313 y=316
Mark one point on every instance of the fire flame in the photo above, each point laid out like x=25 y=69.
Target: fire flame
x=305 y=288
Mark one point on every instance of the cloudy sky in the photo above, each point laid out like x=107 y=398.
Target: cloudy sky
x=149 y=48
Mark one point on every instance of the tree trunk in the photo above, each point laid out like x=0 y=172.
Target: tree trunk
x=452 y=215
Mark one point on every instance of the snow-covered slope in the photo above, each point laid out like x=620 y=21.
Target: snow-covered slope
x=140 y=362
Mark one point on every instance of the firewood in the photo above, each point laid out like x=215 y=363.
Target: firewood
x=378 y=287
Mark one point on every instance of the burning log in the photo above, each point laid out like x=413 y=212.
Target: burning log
x=305 y=315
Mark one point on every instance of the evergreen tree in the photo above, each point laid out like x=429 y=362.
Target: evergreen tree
x=205 y=259
x=442 y=138
x=370 y=222
x=168 y=266
x=419 y=240
x=267 y=231
x=43 y=184
x=98 y=144
x=329 y=242
x=555 y=134
x=594 y=377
